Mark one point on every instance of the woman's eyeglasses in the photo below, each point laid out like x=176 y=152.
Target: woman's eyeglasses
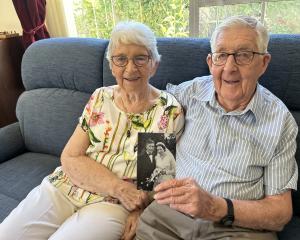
x=122 y=60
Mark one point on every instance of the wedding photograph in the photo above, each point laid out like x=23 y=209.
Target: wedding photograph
x=156 y=159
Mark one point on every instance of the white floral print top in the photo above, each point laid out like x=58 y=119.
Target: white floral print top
x=113 y=137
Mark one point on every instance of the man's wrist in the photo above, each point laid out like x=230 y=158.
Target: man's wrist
x=218 y=209
x=228 y=219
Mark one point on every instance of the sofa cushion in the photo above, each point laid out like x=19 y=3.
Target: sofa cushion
x=283 y=73
x=20 y=175
x=78 y=68
x=11 y=142
x=7 y=205
x=48 y=117
x=291 y=231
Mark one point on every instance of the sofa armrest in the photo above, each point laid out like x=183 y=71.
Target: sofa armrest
x=11 y=142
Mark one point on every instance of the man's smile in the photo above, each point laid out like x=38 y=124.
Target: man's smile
x=131 y=78
x=231 y=82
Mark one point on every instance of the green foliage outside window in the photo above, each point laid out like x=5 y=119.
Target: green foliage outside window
x=170 y=18
x=96 y=18
x=279 y=17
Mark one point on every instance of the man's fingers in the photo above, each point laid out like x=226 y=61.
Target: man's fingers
x=173 y=183
x=174 y=199
x=166 y=185
x=172 y=192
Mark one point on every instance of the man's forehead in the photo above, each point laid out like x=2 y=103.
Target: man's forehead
x=236 y=38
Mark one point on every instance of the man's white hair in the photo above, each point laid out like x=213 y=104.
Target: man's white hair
x=243 y=21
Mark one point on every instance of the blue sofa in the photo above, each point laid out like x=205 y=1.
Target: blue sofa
x=60 y=74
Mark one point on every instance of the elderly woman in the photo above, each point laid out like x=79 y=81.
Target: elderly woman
x=93 y=195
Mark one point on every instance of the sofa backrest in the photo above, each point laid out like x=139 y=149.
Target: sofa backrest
x=60 y=74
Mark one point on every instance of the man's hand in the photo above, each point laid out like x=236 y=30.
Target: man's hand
x=131 y=224
x=186 y=196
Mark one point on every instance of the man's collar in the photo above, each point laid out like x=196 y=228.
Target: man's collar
x=254 y=106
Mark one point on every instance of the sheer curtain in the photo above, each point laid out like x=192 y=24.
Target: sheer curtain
x=60 y=19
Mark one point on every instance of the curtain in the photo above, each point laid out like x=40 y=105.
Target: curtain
x=60 y=18
x=32 y=17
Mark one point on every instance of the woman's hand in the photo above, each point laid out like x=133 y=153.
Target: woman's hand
x=129 y=196
x=131 y=224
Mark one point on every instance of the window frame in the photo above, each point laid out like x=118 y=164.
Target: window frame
x=195 y=6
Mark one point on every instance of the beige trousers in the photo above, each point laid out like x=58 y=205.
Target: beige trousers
x=160 y=222
x=47 y=214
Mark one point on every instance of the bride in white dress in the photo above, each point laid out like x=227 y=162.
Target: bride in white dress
x=165 y=164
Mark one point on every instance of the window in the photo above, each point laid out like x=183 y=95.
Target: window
x=279 y=16
x=96 y=18
x=182 y=18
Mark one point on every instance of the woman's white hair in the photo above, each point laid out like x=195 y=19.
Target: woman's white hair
x=243 y=21
x=131 y=32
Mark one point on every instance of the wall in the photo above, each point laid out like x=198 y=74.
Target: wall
x=9 y=20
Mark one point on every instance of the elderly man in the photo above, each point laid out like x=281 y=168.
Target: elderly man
x=235 y=160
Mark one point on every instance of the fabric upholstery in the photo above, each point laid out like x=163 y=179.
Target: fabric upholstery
x=21 y=174
x=283 y=74
x=48 y=117
x=78 y=68
x=291 y=230
x=8 y=206
x=11 y=142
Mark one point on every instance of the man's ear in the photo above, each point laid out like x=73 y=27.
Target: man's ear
x=265 y=62
x=209 y=62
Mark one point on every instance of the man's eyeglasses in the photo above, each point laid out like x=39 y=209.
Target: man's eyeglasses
x=240 y=57
x=122 y=60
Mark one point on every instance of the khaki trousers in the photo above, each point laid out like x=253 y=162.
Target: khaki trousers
x=160 y=222
x=47 y=214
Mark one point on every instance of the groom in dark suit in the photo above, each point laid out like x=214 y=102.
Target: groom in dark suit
x=146 y=165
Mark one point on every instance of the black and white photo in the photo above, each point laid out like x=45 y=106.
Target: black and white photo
x=156 y=159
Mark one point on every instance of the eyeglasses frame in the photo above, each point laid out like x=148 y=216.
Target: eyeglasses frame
x=234 y=56
x=148 y=56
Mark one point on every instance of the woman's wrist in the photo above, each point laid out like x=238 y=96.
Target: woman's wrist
x=116 y=188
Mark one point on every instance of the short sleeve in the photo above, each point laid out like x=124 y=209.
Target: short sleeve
x=178 y=122
x=89 y=109
x=182 y=92
x=175 y=116
x=282 y=172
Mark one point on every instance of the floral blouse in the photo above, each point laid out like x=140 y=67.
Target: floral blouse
x=113 y=137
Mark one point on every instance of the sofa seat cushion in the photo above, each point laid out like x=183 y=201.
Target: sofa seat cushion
x=291 y=231
x=20 y=175
x=7 y=204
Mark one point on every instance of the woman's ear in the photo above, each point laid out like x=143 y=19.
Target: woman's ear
x=154 y=68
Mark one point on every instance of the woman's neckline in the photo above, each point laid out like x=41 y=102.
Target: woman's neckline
x=156 y=100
